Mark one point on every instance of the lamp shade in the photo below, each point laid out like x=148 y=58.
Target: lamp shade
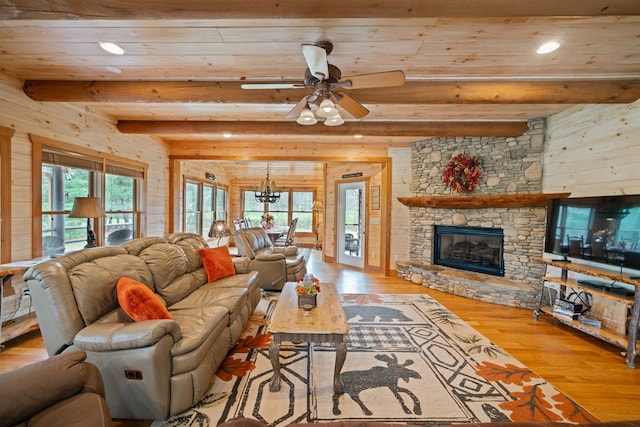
x=87 y=207
x=327 y=108
x=306 y=117
x=317 y=205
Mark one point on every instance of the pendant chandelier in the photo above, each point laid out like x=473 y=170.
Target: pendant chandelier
x=267 y=191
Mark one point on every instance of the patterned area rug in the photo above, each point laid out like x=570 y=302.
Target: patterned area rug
x=409 y=360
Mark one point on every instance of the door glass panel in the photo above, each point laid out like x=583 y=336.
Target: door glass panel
x=352 y=222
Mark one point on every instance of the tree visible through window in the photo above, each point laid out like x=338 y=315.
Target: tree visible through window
x=66 y=175
x=292 y=204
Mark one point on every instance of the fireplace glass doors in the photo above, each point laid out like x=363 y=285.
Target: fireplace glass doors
x=469 y=248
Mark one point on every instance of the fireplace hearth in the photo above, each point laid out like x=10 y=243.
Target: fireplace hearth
x=476 y=249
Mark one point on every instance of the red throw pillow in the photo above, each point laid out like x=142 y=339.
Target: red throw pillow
x=217 y=263
x=139 y=302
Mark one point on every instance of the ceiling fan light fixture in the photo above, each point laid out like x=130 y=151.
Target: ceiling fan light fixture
x=327 y=108
x=306 y=117
x=548 y=47
x=334 y=120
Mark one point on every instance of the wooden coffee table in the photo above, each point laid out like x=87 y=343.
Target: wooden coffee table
x=325 y=323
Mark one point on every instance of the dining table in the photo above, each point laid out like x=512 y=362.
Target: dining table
x=275 y=233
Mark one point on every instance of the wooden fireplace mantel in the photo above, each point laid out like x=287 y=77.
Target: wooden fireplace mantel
x=482 y=201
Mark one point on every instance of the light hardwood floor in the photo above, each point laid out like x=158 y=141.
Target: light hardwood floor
x=591 y=372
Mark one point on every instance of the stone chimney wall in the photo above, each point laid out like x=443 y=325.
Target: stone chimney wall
x=510 y=165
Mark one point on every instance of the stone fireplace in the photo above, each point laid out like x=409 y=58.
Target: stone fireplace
x=511 y=166
x=469 y=248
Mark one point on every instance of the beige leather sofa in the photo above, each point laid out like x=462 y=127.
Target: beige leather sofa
x=152 y=369
x=63 y=390
x=276 y=265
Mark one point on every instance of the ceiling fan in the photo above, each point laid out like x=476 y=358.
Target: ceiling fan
x=327 y=83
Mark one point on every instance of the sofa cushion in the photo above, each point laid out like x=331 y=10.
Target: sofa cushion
x=196 y=324
x=217 y=263
x=139 y=301
x=191 y=244
x=230 y=297
x=94 y=283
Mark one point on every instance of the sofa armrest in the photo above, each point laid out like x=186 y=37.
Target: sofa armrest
x=123 y=336
x=270 y=256
x=93 y=383
x=241 y=264
x=32 y=388
x=286 y=250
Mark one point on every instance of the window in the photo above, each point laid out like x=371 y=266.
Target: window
x=292 y=204
x=121 y=194
x=67 y=174
x=202 y=203
x=192 y=218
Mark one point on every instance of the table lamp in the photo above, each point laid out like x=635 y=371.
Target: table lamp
x=88 y=207
x=219 y=229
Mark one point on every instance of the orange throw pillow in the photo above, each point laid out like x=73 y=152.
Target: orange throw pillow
x=139 y=302
x=217 y=263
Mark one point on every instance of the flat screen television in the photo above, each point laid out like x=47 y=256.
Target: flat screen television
x=602 y=229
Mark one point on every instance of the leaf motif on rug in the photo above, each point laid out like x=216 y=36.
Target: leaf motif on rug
x=478 y=344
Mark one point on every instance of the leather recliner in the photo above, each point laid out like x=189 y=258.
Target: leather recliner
x=63 y=390
x=275 y=265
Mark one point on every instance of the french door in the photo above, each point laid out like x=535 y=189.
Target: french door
x=350 y=240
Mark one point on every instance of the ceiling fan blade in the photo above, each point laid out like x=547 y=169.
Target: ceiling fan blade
x=350 y=105
x=295 y=111
x=272 y=86
x=363 y=81
x=316 y=57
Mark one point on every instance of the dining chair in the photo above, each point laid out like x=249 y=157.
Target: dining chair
x=287 y=239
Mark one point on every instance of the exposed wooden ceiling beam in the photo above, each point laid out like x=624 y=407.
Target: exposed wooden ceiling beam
x=249 y=9
x=413 y=92
x=418 y=129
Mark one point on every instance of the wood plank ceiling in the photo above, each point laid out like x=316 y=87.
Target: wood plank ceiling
x=471 y=66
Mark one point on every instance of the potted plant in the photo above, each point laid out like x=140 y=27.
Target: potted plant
x=307 y=290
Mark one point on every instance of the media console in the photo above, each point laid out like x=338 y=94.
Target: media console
x=624 y=335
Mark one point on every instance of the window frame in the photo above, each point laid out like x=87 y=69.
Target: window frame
x=290 y=213
x=217 y=189
x=107 y=164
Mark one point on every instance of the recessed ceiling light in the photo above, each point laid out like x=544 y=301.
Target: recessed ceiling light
x=112 y=48
x=548 y=47
x=227 y=134
x=113 y=69
x=357 y=136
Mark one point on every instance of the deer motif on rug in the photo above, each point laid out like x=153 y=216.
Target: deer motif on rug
x=356 y=382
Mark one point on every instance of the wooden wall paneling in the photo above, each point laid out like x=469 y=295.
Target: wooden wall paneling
x=5 y=193
x=385 y=216
x=399 y=218
x=36 y=189
x=175 y=196
x=593 y=150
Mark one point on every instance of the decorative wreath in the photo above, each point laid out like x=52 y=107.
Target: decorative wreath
x=462 y=173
